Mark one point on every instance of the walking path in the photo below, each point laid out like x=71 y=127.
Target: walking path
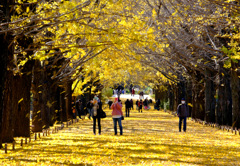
x=149 y=138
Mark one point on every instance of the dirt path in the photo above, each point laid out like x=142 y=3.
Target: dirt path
x=149 y=138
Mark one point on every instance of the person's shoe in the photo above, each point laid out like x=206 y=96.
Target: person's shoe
x=99 y=133
x=94 y=133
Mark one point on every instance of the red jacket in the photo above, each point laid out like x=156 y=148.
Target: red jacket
x=117 y=109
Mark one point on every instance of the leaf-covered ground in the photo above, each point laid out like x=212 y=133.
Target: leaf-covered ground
x=150 y=138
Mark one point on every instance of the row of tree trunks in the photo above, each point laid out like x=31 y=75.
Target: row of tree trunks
x=51 y=102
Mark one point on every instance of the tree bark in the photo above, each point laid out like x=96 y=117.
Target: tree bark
x=22 y=92
x=63 y=111
x=8 y=111
x=209 y=97
x=235 y=96
x=171 y=97
x=37 y=98
x=68 y=99
x=224 y=98
x=6 y=50
x=198 y=96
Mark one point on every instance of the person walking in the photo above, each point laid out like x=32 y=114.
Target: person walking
x=157 y=105
x=78 y=108
x=145 y=103
x=131 y=101
x=127 y=106
x=137 y=108
x=133 y=92
x=183 y=113
x=117 y=115
x=140 y=105
x=96 y=110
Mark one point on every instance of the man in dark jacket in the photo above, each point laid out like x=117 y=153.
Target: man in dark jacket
x=128 y=106
x=183 y=113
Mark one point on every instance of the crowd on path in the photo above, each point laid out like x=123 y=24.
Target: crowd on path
x=95 y=111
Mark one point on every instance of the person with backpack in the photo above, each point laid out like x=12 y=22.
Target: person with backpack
x=96 y=110
x=183 y=113
x=117 y=115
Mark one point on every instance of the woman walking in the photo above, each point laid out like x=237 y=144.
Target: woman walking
x=97 y=107
x=117 y=115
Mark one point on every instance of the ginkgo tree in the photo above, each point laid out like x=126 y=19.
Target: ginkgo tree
x=77 y=45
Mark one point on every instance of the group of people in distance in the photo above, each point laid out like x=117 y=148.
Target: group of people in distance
x=94 y=109
x=143 y=104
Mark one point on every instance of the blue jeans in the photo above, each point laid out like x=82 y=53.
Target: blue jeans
x=184 y=119
x=119 y=120
x=94 y=124
x=90 y=112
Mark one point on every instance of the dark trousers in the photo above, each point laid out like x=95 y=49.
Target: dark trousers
x=127 y=112
x=119 y=120
x=94 y=124
x=184 y=119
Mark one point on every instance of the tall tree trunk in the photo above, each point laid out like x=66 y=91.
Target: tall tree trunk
x=3 y=73
x=8 y=111
x=23 y=84
x=171 y=97
x=198 y=97
x=176 y=97
x=209 y=97
x=224 y=98
x=37 y=124
x=189 y=96
x=68 y=89
x=63 y=111
x=58 y=105
x=6 y=50
x=47 y=104
x=235 y=96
